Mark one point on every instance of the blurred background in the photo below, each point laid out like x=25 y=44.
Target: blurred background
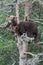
x=8 y=49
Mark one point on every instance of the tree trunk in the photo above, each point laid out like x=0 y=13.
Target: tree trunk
x=17 y=11
x=23 y=56
x=22 y=44
x=27 y=10
x=22 y=47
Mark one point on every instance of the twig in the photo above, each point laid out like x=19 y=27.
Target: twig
x=40 y=2
x=30 y=53
x=40 y=43
x=5 y=25
x=39 y=54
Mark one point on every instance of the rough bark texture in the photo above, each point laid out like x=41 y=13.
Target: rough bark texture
x=27 y=9
x=22 y=47
x=23 y=56
x=17 y=10
x=22 y=44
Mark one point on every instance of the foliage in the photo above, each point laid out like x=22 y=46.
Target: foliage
x=8 y=49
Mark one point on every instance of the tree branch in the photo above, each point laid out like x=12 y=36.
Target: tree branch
x=5 y=25
x=40 y=2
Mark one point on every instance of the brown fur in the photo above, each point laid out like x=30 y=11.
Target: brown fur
x=28 y=27
x=12 y=20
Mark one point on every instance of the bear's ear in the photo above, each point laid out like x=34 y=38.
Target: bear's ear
x=15 y=18
x=26 y=18
x=10 y=17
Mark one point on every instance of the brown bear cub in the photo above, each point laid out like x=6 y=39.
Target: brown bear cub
x=28 y=27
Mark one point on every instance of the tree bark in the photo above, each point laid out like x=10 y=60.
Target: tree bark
x=22 y=47
x=27 y=9
x=22 y=44
x=17 y=10
x=23 y=56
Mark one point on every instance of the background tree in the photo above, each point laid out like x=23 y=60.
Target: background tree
x=8 y=49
